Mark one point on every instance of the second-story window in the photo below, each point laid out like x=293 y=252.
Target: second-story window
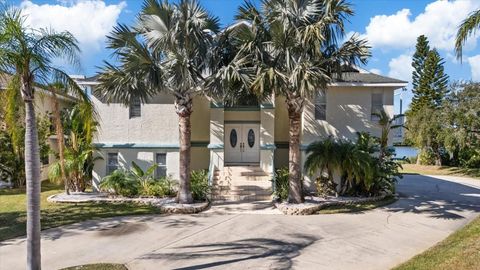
x=321 y=105
x=135 y=108
x=377 y=105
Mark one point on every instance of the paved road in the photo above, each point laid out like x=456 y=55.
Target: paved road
x=430 y=209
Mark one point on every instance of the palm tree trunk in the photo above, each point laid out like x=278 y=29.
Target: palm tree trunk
x=60 y=141
x=32 y=174
x=295 y=109
x=184 y=110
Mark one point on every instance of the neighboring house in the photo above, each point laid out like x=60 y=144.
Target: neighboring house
x=44 y=106
x=224 y=137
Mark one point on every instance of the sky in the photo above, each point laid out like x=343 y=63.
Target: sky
x=390 y=26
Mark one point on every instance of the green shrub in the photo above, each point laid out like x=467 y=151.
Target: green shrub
x=427 y=157
x=163 y=187
x=120 y=183
x=281 y=183
x=199 y=185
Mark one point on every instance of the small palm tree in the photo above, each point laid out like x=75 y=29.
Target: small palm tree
x=468 y=27
x=292 y=50
x=168 y=51
x=58 y=89
x=386 y=124
x=27 y=54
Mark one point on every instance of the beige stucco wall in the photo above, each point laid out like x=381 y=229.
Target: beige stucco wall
x=235 y=115
x=348 y=111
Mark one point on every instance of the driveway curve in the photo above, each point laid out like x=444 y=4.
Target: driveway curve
x=235 y=237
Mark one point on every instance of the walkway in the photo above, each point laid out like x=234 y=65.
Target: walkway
x=430 y=209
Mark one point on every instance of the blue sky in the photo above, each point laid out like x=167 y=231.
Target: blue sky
x=390 y=26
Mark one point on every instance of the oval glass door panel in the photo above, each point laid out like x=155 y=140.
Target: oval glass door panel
x=251 y=138
x=233 y=138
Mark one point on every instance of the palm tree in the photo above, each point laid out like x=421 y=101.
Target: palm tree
x=386 y=124
x=27 y=54
x=292 y=49
x=59 y=89
x=167 y=51
x=468 y=27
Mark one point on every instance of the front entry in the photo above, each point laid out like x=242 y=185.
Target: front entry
x=242 y=143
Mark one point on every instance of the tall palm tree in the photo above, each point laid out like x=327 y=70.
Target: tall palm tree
x=58 y=89
x=167 y=51
x=27 y=54
x=292 y=49
x=468 y=27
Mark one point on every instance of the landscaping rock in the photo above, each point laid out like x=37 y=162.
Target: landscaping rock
x=167 y=205
x=313 y=204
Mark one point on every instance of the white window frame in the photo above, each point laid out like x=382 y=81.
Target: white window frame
x=319 y=102
x=134 y=112
x=160 y=166
x=109 y=166
x=376 y=108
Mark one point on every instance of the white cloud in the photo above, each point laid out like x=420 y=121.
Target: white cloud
x=88 y=20
x=376 y=71
x=401 y=67
x=474 y=62
x=439 y=22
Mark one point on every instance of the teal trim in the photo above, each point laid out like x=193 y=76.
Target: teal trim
x=216 y=105
x=215 y=146
x=200 y=144
x=282 y=145
x=243 y=109
x=241 y=122
x=268 y=146
x=136 y=146
x=267 y=106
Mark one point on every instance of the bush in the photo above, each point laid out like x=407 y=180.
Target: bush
x=281 y=183
x=120 y=183
x=163 y=187
x=199 y=185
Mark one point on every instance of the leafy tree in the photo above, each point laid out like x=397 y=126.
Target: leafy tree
x=292 y=49
x=468 y=27
x=167 y=52
x=27 y=54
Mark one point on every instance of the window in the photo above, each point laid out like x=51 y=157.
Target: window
x=135 y=108
x=377 y=105
x=112 y=162
x=321 y=105
x=161 y=165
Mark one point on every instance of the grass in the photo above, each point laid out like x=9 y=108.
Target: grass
x=360 y=207
x=460 y=251
x=440 y=170
x=13 y=211
x=98 y=266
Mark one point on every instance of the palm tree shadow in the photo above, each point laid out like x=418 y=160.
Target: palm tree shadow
x=280 y=253
x=438 y=198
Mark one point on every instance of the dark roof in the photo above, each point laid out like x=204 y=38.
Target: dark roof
x=350 y=75
x=353 y=74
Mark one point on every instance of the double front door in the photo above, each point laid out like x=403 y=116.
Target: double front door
x=242 y=143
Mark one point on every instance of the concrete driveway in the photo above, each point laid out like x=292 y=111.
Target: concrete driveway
x=429 y=210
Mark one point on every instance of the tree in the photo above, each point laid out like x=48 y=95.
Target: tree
x=27 y=54
x=418 y=63
x=468 y=27
x=428 y=78
x=386 y=124
x=292 y=50
x=167 y=52
x=58 y=89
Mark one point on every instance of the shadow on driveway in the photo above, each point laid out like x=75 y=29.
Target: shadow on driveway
x=436 y=197
x=279 y=253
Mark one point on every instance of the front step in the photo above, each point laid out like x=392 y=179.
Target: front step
x=241 y=183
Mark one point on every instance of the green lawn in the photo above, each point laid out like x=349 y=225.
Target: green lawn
x=460 y=251
x=360 y=207
x=440 y=170
x=13 y=211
